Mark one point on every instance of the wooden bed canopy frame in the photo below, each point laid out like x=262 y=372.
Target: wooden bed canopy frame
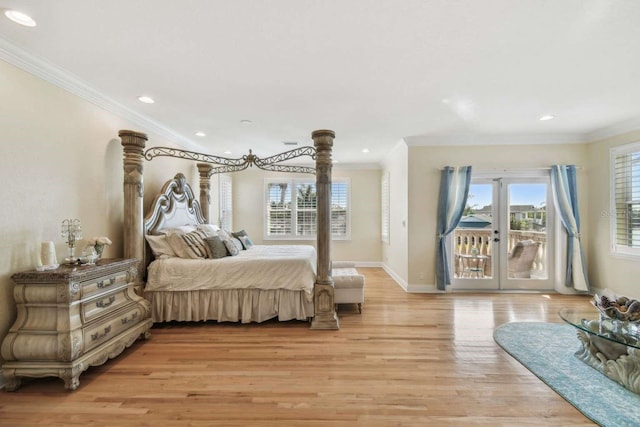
x=134 y=143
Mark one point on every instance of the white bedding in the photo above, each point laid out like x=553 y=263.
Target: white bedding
x=291 y=267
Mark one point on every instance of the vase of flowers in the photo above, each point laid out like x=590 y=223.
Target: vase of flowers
x=98 y=244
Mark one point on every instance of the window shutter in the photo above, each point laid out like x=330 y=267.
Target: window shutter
x=626 y=182
x=306 y=200
x=278 y=209
x=291 y=209
x=340 y=209
x=385 y=206
x=226 y=202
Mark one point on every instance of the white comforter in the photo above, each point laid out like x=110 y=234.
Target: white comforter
x=290 y=267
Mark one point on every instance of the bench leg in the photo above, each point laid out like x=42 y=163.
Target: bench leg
x=360 y=307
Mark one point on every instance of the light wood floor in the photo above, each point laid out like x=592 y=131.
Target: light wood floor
x=407 y=360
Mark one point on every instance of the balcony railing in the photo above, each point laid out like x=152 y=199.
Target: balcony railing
x=466 y=239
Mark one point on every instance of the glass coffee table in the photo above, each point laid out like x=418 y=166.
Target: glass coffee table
x=611 y=346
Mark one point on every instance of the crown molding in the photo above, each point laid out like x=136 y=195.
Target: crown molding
x=494 y=139
x=619 y=128
x=57 y=76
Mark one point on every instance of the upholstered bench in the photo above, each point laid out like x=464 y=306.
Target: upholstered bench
x=348 y=285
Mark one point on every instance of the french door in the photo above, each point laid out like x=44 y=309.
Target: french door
x=503 y=241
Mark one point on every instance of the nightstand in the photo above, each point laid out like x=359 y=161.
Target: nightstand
x=71 y=318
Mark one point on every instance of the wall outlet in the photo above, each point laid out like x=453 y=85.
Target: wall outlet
x=421 y=275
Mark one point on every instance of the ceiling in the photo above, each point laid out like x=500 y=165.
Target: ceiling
x=428 y=71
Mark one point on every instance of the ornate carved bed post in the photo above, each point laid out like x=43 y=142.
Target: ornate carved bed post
x=133 y=144
x=323 y=291
x=204 y=169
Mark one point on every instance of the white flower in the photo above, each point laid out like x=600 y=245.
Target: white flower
x=99 y=241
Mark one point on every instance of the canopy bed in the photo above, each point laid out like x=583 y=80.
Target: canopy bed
x=287 y=282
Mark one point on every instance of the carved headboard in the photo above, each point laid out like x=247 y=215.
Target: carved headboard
x=173 y=207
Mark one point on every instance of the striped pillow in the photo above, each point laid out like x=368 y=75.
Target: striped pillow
x=194 y=245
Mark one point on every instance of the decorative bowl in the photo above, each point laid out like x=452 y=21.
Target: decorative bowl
x=617 y=307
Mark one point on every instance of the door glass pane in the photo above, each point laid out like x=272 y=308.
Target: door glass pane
x=527 y=240
x=473 y=236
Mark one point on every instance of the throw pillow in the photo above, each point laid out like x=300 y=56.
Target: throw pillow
x=237 y=243
x=216 y=247
x=189 y=245
x=246 y=242
x=239 y=235
x=231 y=247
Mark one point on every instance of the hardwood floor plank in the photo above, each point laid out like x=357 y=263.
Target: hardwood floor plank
x=407 y=360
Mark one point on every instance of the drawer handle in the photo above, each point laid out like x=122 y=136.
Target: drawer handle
x=107 y=282
x=126 y=320
x=102 y=304
x=98 y=335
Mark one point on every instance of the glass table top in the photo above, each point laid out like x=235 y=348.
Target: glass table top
x=594 y=323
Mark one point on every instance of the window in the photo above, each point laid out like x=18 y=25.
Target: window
x=384 y=203
x=625 y=203
x=285 y=219
x=226 y=202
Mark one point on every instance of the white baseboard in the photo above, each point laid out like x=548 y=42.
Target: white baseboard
x=399 y=280
x=423 y=289
x=364 y=264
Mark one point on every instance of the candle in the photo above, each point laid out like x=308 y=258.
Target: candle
x=48 y=254
x=38 y=257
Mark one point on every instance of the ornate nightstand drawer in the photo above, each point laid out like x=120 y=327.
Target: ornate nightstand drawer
x=106 y=329
x=104 y=284
x=103 y=304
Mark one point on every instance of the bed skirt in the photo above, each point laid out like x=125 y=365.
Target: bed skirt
x=231 y=305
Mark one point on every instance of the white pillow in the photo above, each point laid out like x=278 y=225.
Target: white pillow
x=188 y=228
x=159 y=245
x=210 y=229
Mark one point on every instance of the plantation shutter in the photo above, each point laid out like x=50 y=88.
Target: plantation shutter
x=626 y=168
x=306 y=210
x=226 y=202
x=385 y=207
x=278 y=209
x=339 y=209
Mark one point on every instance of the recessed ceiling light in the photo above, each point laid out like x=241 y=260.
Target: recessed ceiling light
x=245 y=122
x=200 y=134
x=146 y=99
x=547 y=117
x=336 y=161
x=289 y=142
x=365 y=150
x=227 y=152
x=20 y=18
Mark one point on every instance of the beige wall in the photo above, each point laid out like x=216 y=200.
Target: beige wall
x=395 y=253
x=60 y=159
x=606 y=270
x=425 y=164
x=364 y=246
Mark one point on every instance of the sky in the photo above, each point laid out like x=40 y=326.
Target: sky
x=519 y=194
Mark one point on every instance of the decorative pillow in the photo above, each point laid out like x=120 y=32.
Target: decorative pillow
x=216 y=247
x=224 y=235
x=159 y=245
x=246 y=241
x=231 y=247
x=189 y=245
x=210 y=229
x=240 y=234
x=237 y=243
